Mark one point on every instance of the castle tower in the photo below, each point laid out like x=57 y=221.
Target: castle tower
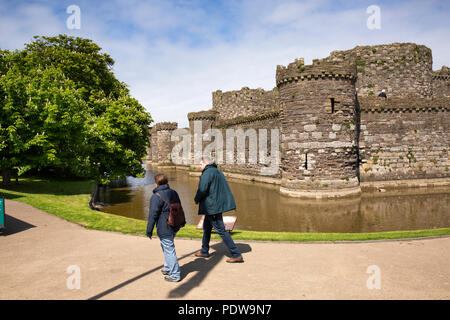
x=161 y=144
x=441 y=83
x=153 y=152
x=149 y=147
x=403 y=70
x=319 y=123
x=205 y=120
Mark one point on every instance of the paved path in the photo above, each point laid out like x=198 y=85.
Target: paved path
x=39 y=247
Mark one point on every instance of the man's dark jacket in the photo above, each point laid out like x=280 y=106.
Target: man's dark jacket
x=213 y=193
x=159 y=211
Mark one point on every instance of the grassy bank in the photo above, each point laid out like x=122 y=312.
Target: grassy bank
x=69 y=200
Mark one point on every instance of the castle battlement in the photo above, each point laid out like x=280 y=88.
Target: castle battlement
x=247 y=119
x=244 y=102
x=442 y=74
x=160 y=126
x=203 y=115
x=404 y=104
x=319 y=69
x=399 y=68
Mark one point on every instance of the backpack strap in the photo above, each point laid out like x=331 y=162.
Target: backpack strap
x=162 y=198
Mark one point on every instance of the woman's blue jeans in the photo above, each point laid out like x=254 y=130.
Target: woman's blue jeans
x=171 y=261
x=216 y=221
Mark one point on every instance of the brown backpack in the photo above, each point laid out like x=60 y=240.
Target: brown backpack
x=176 y=214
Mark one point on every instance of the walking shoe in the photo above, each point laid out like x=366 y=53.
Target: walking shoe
x=165 y=272
x=201 y=255
x=235 y=260
x=167 y=278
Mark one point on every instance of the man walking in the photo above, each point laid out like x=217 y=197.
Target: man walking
x=214 y=198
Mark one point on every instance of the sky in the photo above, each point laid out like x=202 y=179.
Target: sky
x=174 y=54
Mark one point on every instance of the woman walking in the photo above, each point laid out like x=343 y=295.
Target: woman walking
x=159 y=212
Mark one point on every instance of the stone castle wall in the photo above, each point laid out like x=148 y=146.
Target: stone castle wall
x=206 y=119
x=244 y=102
x=332 y=136
x=441 y=82
x=153 y=153
x=251 y=126
x=402 y=140
x=209 y=120
x=160 y=142
x=402 y=69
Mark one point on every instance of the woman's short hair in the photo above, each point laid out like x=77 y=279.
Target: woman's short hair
x=161 y=179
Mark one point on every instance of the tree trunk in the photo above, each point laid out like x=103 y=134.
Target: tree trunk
x=6 y=174
x=93 y=198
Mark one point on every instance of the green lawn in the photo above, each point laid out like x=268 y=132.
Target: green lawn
x=69 y=200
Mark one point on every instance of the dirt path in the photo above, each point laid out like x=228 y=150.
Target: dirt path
x=38 y=248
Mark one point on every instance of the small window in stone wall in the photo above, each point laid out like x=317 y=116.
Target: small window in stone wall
x=332 y=104
x=306 y=160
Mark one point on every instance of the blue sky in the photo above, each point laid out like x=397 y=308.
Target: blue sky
x=173 y=54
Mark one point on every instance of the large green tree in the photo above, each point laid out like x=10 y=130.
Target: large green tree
x=63 y=108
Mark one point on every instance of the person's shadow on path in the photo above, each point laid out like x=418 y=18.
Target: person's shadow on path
x=203 y=266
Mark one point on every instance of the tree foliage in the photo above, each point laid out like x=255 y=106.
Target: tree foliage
x=63 y=108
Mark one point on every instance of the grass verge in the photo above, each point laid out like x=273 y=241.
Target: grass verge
x=69 y=200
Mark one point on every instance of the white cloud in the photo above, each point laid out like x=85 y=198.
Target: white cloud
x=289 y=12
x=27 y=20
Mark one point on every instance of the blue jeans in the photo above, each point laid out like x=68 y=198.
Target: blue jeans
x=171 y=261
x=216 y=221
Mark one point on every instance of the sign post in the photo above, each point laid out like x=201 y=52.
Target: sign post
x=2 y=213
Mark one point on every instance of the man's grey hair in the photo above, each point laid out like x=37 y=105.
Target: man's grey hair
x=208 y=160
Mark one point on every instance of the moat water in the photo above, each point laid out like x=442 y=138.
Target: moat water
x=260 y=207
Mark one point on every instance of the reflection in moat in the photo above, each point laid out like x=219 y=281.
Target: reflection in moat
x=260 y=207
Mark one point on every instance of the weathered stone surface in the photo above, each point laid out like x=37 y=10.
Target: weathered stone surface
x=441 y=82
x=245 y=102
x=160 y=142
x=322 y=105
x=399 y=68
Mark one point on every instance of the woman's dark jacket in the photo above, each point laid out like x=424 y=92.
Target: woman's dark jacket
x=159 y=211
x=213 y=193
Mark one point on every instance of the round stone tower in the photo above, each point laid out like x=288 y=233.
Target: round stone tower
x=199 y=122
x=319 y=125
x=161 y=144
